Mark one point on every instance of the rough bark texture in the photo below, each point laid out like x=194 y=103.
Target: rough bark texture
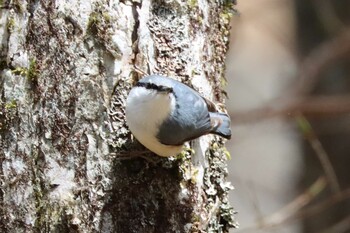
x=68 y=161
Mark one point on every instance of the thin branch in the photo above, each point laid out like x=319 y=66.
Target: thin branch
x=320 y=58
x=321 y=153
x=320 y=106
x=306 y=212
x=311 y=68
x=324 y=205
x=297 y=204
x=342 y=226
x=287 y=212
x=328 y=17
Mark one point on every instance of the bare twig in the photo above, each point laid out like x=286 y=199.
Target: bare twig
x=321 y=106
x=306 y=212
x=287 y=212
x=340 y=227
x=324 y=205
x=297 y=204
x=328 y=16
x=320 y=58
x=321 y=153
x=314 y=64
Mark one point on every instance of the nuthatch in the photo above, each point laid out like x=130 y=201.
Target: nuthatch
x=163 y=114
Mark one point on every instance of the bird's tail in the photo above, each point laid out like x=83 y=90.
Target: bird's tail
x=221 y=124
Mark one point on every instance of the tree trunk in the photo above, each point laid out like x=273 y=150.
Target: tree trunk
x=68 y=161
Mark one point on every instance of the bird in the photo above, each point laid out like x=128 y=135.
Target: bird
x=163 y=113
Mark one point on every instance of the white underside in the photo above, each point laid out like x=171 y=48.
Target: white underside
x=145 y=111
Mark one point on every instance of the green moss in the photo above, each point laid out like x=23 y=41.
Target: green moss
x=184 y=161
x=18 y=6
x=227 y=154
x=8 y=112
x=226 y=15
x=101 y=29
x=223 y=150
x=223 y=81
x=106 y=17
x=98 y=20
x=185 y=154
x=20 y=71
x=192 y=3
x=40 y=191
x=10 y=24
x=217 y=188
x=93 y=21
x=11 y=105
x=31 y=72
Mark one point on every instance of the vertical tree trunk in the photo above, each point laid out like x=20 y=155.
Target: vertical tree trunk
x=68 y=161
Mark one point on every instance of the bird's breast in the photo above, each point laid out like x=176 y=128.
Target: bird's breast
x=145 y=112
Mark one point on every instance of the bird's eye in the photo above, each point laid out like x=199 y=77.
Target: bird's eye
x=165 y=89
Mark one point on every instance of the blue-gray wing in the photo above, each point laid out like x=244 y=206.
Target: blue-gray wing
x=190 y=119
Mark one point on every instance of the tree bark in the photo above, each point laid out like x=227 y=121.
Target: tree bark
x=68 y=161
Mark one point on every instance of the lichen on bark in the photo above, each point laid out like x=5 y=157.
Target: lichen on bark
x=68 y=161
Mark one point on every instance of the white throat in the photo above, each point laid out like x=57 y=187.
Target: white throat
x=146 y=109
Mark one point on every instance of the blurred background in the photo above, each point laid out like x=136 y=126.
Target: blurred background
x=288 y=71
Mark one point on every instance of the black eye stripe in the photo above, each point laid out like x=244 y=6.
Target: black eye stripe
x=154 y=87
